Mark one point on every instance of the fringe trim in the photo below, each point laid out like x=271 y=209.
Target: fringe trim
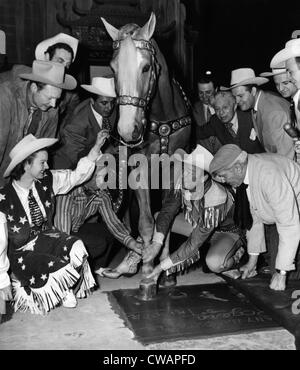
x=42 y=300
x=182 y=266
x=212 y=217
x=88 y=281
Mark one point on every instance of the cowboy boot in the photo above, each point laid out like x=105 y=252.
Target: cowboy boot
x=127 y=267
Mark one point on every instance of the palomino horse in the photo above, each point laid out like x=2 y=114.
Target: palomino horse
x=153 y=107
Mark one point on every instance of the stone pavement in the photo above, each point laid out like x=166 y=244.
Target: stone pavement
x=94 y=325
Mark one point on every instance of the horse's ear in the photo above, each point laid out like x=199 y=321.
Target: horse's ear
x=148 y=29
x=112 y=31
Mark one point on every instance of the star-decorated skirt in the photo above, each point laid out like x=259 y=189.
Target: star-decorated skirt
x=44 y=273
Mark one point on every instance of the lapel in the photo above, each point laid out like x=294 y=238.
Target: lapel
x=201 y=112
x=257 y=123
x=253 y=173
x=243 y=135
x=93 y=122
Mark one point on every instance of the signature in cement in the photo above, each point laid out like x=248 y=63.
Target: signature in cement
x=209 y=295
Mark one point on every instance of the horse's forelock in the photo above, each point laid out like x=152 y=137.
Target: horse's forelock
x=130 y=29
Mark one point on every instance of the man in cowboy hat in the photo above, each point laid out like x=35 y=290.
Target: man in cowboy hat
x=290 y=55
x=30 y=106
x=286 y=88
x=207 y=214
x=91 y=116
x=45 y=262
x=274 y=195
x=61 y=48
x=207 y=211
x=269 y=112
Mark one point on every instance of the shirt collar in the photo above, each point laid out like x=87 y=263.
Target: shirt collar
x=21 y=189
x=211 y=109
x=234 y=120
x=257 y=99
x=97 y=116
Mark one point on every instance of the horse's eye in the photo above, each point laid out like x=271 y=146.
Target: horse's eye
x=146 y=68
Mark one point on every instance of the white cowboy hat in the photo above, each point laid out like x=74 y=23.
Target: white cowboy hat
x=2 y=42
x=27 y=146
x=244 y=76
x=102 y=86
x=43 y=46
x=50 y=73
x=199 y=157
x=280 y=69
x=291 y=50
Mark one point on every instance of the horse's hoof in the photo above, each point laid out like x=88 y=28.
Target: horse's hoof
x=147 y=289
x=167 y=281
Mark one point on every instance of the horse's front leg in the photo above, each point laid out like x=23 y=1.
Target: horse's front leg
x=146 y=223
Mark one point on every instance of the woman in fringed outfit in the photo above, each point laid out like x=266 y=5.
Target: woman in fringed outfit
x=46 y=264
x=208 y=208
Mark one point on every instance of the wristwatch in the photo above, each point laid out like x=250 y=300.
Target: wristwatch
x=281 y=272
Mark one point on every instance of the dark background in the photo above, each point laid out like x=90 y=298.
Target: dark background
x=240 y=33
x=230 y=33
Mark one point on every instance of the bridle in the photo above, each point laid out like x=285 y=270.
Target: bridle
x=162 y=129
x=136 y=101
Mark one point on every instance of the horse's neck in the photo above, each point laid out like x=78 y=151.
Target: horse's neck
x=167 y=102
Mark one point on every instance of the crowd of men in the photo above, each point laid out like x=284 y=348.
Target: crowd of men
x=248 y=137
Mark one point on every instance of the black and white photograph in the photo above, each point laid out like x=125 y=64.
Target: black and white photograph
x=149 y=178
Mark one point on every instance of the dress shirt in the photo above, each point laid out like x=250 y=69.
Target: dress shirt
x=211 y=110
x=296 y=102
x=235 y=123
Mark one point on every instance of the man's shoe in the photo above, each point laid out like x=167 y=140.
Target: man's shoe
x=69 y=300
x=127 y=267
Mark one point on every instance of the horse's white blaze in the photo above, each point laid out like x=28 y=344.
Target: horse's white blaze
x=129 y=85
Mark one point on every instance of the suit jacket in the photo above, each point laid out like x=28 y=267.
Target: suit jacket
x=211 y=143
x=274 y=184
x=14 y=117
x=78 y=136
x=245 y=125
x=272 y=113
x=68 y=101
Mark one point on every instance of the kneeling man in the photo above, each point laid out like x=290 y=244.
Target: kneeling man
x=274 y=197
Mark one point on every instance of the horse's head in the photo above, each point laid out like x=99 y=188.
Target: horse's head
x=134 y=65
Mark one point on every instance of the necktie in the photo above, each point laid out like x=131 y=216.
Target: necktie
x=230 y=129
x=106 y=124
x=208 y=114
x=35 y=120
x=293 y=114
x=29 y=119
x=242 y=215
x=35 y=211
